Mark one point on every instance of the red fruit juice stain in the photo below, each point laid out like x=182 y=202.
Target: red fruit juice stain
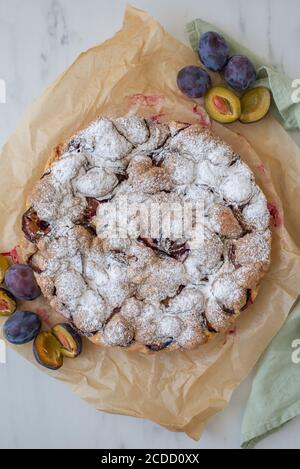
x=146 y=100
x=231 y=332
x=44 y=315
x=261 y=168
x=275 y=215
x=157 y=117
x=204 y=119
x=13 y=254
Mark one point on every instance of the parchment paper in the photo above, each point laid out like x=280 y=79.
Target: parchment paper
x=135 y=72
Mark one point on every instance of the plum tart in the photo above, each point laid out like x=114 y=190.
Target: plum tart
x=139 y=292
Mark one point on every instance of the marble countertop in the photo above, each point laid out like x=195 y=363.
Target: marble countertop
x=38 y=40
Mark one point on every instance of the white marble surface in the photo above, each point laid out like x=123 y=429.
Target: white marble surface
x=38 y=39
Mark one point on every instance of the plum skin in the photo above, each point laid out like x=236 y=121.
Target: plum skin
x=22 y=327
x=213 y=51
x=240 y=73
x=193 y=81
x=20 y=281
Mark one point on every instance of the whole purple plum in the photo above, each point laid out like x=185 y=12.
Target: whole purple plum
x=20 y=281
x=213 y=51
x=240 y=73
x=193 y=81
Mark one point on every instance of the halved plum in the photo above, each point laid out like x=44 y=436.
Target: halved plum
x=8 y=304
x=255 y=104
x=222 y=105
x=50 y=348
x=47 y=351
x=4 y=265
x=69 y=339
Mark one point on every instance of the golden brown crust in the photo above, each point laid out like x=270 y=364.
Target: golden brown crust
x=55 y=155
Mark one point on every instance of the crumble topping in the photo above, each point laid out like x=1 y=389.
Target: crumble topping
x=159 y=293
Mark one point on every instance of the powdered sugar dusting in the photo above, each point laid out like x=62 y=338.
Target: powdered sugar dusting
x=133 y=290
x=228 y=293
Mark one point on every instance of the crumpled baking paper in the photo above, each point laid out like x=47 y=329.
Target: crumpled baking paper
x=135 y=72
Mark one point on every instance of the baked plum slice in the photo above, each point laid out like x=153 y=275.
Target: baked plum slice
x=251 y=295
x=179 y=250
x=47 y=350
x=33 y=228
x=91 y=209
x=20 y=281
x=69 y=339
x=158 y=346
x=21 y=327
x=8 y=303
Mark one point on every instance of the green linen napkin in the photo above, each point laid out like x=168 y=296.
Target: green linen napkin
x=285 y=91
x=275 y=394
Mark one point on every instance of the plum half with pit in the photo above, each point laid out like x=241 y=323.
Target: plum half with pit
x=213 y=51
x=20 y=281
x=21 y=327
x=69 y=338
x=193 y=81
x=8 y=304
x=222 y=105
x=240 y=73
